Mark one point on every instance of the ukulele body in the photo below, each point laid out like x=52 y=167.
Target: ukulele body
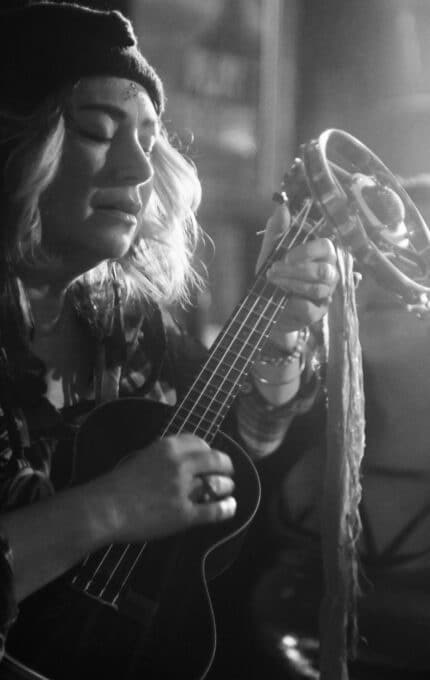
x=159 y=622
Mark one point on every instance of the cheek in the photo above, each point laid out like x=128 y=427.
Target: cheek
x=74 y=181
x=66 y=205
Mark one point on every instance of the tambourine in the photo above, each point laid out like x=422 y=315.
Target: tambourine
x=339 y=188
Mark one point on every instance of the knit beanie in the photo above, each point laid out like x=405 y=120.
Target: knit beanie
x=45 y=46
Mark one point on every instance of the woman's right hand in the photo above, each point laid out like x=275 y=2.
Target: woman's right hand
x=175 y=483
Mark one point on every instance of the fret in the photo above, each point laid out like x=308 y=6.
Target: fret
x=228 y=353
x=270 y=302
x=209 y=406
x=205 y=426
x=214 y=369
x=214 y=389
x=225 y=378
x=209 y=430
x=222 y=367
x=258 y=318
x=205 y=403
x=202 y=411
x=265 y=291
x=212 y=394
x=250 y=327
x=227 y=346
x=243 y=331
x=216 y=399
x=260 y=309
x=202 y=427
x=236 y=355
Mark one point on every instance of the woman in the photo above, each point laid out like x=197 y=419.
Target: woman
x=98 y=233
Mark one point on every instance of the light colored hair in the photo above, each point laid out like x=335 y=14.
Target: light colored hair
x=159 y=266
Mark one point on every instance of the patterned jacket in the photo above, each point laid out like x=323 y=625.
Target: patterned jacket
x=147 y=356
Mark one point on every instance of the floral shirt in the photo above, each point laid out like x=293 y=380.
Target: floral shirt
x=157 y=361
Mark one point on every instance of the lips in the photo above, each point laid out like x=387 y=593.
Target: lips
x=127 y=207
x=120 y=204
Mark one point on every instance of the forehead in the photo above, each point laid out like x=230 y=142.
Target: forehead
x=118 y=96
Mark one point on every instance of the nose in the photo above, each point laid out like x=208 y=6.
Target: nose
x=134 y=166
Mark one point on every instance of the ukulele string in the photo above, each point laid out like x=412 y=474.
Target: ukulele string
x=114 y=570
x=229 y=394
x=231 y=389
x=233 y=320
x=300 y=218
x=128 y=574
x=270 y=301
x=98 y=566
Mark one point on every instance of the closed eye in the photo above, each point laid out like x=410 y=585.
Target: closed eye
x=93 y=136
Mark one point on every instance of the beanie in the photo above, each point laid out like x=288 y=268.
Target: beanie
x=45 y=46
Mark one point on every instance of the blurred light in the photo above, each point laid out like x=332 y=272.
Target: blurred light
x=289 y=641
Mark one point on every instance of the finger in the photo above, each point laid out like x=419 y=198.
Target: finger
x=301 y=312
x=219 y=511
x=212 y=462
x=185 y=447
x=209 y=488
x=317 y=249
x=320 y=272
x=316 y=292
x=277 y=225
x=190 y=443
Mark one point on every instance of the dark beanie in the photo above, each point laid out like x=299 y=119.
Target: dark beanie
x=45 y=46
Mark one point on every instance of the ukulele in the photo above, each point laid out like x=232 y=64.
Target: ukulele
x=145 y=610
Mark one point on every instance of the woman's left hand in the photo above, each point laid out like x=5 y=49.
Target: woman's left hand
x=308 y=273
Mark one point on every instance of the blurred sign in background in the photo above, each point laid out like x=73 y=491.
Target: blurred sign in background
x=249 y=80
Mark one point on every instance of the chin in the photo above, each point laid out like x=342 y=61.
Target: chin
x=112 y=245
x=113 y=252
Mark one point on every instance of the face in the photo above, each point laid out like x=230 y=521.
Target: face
x=92 y=209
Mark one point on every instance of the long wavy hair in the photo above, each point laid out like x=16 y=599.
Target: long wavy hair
x=159 y=267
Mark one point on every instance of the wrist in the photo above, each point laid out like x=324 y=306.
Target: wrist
x=273 y=354
x=102 y=519
x=276 y=374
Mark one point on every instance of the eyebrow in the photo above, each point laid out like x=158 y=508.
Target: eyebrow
x=119 y=114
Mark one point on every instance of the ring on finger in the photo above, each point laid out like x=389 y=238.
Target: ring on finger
x=206 y=491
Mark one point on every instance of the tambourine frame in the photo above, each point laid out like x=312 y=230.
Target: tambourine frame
x=327 y=165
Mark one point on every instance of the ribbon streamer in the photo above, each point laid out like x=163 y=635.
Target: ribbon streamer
x=341 y=524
